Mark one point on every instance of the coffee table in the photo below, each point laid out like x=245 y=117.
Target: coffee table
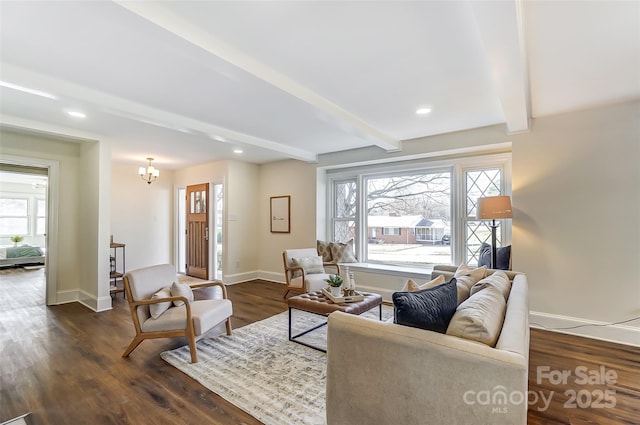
x=318 y=303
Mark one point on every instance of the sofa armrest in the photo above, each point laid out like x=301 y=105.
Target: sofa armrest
x=382 y=373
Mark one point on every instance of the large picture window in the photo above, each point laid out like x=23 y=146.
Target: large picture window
x=14 y=217
x=417 y=215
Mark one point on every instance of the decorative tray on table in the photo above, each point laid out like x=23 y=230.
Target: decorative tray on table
x=344 y=299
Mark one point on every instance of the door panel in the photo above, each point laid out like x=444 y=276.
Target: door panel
x=198 y=231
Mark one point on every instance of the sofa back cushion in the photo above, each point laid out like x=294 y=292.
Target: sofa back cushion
x=429 y=309
x=498 y=280
x=480 y=317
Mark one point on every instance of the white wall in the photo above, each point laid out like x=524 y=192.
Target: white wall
x=142 y=216
x=576 y=225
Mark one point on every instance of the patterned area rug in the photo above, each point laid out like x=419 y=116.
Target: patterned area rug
x=260 y=371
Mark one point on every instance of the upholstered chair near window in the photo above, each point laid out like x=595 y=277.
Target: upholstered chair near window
x=161 y=307
x=305 y=271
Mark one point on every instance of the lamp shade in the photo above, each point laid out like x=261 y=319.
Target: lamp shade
x=494 y=207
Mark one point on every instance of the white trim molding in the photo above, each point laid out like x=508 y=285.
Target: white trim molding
x=618 y=333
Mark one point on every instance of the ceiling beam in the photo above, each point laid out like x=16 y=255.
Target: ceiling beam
x=117 y=106
x=157 y=14
x=501 y=30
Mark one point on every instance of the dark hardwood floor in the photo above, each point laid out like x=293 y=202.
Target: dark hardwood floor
x=64 y=364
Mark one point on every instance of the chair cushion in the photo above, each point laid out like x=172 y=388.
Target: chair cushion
x=206 y=314
x=315 y=282
x=181 y=290
x=430 y=308
x=156 y=310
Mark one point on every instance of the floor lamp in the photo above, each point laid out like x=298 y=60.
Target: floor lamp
x=494 y=208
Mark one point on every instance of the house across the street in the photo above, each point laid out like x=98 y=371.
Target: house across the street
x=407 y=229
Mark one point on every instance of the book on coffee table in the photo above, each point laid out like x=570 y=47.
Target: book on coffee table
x=344 y=299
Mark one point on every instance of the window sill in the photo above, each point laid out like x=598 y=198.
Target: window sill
x=387 y=269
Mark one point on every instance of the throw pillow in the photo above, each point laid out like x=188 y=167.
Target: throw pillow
x=157 y=309
x=411 y=286
x=480 y=317
x=311 y=265
x=476 y=274
x=181 y=290
x=324 y=250
x=466 y=278
x=342 y=252
x=429 y=309
x=498 y=280
x=503 y=256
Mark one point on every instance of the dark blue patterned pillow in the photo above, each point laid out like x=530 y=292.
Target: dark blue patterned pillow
x=430 y=308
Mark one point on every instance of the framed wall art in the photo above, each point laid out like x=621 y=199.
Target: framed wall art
x=280 y=211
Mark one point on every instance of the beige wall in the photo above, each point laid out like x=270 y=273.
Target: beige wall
x=81 y=171
x=576 y=226
x=298 y=180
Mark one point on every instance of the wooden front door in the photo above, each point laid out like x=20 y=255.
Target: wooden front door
x=198 y=231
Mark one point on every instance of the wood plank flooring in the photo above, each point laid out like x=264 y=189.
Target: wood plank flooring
x=63 y=364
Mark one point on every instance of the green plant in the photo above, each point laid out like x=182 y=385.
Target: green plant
x=16 y=239
x=334 y=280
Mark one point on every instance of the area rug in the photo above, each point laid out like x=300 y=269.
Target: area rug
x=260 y=371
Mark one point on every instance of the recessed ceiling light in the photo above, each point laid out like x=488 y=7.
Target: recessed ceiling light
x=27 y=90
x=423 y=110
x=76 y=114
x=237 y=150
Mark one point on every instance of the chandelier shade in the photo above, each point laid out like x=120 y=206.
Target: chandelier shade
x=149 y=174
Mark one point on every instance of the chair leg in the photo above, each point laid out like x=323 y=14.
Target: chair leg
x=228 y=326
x=192 y=349
x=286 y=291
x=134 y=344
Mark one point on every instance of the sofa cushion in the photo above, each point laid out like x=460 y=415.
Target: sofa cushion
x=157 y=309
x=411 y=286
x=430 y=308
x=181 y=290
x=503 y=256
x=480 y=317
x=342 y=252
x=324 y=250
x=310 y=265
x=498 y=280
x=476 y=274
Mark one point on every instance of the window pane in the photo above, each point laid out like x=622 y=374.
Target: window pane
x=41 y=208
x=408 y=217
x=344 y=230
x=13 y=207
x=40 y=226
x=479 y=184
x=345 y=199
x=10 y=226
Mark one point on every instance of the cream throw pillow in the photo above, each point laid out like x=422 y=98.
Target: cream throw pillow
x=498 y=280
x=181 y=290
x=411 y=286
x=342 y=252
x=466 y=278
x=311 y=265
x=157 y=309
x=480 y=317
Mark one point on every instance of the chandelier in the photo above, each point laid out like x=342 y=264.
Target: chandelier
x=149 y=174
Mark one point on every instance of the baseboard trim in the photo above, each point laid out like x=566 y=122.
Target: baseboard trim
x=271 y=276
x=84 y=298
x=231 y=279
x=621 y=334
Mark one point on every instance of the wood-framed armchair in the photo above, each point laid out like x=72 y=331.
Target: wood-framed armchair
x=299 y=280
x=191 y=320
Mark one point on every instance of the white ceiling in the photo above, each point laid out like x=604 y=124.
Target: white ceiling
x=187 y=82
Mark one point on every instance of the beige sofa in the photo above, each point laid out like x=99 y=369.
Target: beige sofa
x=384 y=373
